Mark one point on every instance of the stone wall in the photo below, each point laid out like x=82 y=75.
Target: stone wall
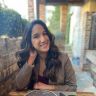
x=8 y=66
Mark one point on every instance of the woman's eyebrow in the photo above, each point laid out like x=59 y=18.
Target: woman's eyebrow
x=38 y=32
x=35 y=34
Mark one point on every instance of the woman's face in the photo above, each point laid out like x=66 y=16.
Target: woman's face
x=40 y=39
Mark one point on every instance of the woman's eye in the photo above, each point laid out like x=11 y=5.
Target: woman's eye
x=36 y=36
x=44 y=33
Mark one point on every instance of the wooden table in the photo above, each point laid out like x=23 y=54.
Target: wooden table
x=23 y=93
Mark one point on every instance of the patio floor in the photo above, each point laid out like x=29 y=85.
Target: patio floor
x=84 y=80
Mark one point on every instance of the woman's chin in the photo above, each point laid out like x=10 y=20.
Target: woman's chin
x=45 y=50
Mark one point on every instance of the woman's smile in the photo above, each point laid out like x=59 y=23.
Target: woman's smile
x=44 y=44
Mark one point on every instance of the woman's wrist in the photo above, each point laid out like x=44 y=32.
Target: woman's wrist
x=51 y=87
x=30 y=62
x=31 y=65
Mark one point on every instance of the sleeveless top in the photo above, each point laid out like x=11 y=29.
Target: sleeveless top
x=42 y=79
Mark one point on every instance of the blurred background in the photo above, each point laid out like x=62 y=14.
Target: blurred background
x=73 y=22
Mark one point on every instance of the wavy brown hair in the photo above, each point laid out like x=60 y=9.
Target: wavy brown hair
x=53 y=63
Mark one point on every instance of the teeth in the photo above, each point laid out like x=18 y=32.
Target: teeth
x=43 y=45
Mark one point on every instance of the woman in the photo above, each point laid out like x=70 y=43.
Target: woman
x=41 y=64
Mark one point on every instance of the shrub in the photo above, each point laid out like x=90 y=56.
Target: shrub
x=11 y=23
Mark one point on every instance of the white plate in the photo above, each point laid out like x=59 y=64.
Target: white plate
x=40 y=93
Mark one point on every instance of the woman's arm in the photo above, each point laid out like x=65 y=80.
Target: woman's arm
x=69 y=79
x=23 y=76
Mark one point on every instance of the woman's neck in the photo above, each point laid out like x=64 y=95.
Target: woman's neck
x=43 y=56
x=42 y=63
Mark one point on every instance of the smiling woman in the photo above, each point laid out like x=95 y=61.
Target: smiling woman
x=42 y=65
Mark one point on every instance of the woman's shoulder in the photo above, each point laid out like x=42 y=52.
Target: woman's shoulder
x=63 y=56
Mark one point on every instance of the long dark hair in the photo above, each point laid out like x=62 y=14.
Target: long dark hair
x=53 y=63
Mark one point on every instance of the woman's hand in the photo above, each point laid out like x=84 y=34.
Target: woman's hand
x=32 y=57
x=43 y=86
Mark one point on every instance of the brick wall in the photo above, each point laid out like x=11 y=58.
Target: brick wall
x=63 y=17
x=31 y=10
x=86 y=20
x=41 y=10
x=42 y=13
x=8 y=66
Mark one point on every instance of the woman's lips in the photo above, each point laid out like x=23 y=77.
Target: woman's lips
x=44 y=45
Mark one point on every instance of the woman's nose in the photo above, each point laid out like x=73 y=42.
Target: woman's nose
x=42 y=38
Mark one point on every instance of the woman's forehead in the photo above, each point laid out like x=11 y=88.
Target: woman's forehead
x=37 y=28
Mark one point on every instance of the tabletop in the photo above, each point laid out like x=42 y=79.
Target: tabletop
x=49 y=93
